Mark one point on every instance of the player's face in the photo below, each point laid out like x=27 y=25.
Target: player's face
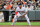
x=20 y=6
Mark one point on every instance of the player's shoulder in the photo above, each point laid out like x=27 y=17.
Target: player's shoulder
x=23 y=7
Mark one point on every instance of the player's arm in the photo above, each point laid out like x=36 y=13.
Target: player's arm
x=25 y=12
x=16 y=11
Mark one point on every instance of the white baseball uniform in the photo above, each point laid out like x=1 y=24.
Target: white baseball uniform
x=20 y=12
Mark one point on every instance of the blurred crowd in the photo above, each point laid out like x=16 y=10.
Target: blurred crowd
x=13 y=4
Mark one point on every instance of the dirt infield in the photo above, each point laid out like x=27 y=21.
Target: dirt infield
x=16 y=26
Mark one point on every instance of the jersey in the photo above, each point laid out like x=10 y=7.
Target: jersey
x=21 y=11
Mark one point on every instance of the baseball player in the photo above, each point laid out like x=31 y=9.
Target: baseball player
x=20 y=12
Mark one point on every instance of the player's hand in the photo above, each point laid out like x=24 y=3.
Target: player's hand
x=22 y=16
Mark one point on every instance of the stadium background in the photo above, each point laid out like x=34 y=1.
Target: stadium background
x=33 y=15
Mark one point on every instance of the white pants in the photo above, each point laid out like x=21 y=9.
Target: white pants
x=18 y=15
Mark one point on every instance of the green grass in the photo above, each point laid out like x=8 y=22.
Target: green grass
x=20 y=23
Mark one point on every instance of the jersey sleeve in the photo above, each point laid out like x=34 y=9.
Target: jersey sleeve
x=16 y=10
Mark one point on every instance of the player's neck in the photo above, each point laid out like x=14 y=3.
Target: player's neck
x=20 y=7
x=28 y=7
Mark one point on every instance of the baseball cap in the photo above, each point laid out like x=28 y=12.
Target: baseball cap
x=19 y=4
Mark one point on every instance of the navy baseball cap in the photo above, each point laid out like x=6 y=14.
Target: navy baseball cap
x=20 y=4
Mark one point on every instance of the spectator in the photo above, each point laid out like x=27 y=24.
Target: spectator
x=6 y=13
x=7 y=6
x=15 y=5
x=1 y=8
x=38 y=6
x=1 y=16
x=28 y=2
x=31 y=6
